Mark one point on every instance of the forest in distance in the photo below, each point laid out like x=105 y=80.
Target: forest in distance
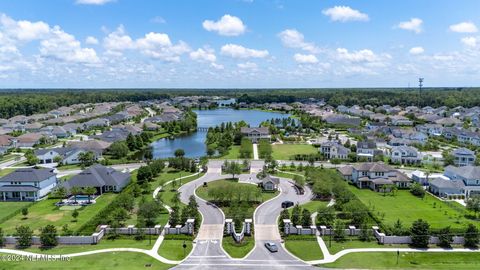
x=30 y=101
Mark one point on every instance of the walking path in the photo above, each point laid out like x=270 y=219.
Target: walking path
x=255 y=151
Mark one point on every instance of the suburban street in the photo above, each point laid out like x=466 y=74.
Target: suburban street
x=208 y=250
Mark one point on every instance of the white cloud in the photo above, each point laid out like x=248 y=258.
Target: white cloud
x=416 y=50
x=345 y=14
x=153 y=45
x=294 y=39
x=158 y=19
x=469 y=41
x=118 y=40
x=64 y=46
x=228 y=25
x=247 y=65
x=91 y=40
x=203 y=55
x=357 y=56
x=93 y=2
x=216 y=66
x=238 y=51
x=414 y=24
x=24 y=30
x=464 y=27
x=305 y=58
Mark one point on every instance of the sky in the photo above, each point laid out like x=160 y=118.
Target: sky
x=238 y=43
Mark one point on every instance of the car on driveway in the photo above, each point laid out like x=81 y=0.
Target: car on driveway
x=287 y=204
x=272 y=247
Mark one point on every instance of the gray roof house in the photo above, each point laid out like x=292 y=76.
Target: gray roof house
x=332 y=149
x=27 y=184
x=469 y=176
x=270 y=183
x=104 y=179
x=375 y=175
x=463 y=157
x=256 y=133
x=405 y=155
x=68 y=155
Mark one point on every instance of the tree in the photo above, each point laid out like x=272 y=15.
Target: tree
x=2 y=242
x=299 y=180
x=24 y=234
x=48 y=236
x=445 y=237
x=31 y=158
x=473 y=204
x=175 y=215
x=75 y=191
x=118 y=150
x=176 y=198
x=364 y=233
x=233 y=168
x=296 y=215
x=75 y=214
x=86 y=158
x=417 y=190
x=420 y=233
x=25 y=212
x=306 y=218
x=131 y=144
x=144 y=174
x=471 y=236
x=60 y=192
x=179 y=153
x=397 y=227
x=283 y=215
x=90 y=191
x=149 y=211
x=339 y=231
x=66 y=231
x=326 y=216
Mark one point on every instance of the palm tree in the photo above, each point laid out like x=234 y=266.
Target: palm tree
x=75 y=191
x=90 y=191
x=60 y=192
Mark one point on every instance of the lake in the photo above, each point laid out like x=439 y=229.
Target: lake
x=194 y=143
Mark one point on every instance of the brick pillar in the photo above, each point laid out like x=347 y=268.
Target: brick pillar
x=323 y=230
x=248 y=226
x=190 y=227
x=158 y=229
x=287 y=224
x=351 y=229
x=130 y=229
x=228 y=226
x=299 y=229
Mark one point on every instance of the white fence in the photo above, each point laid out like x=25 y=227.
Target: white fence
x=392 y=239
x=188 y=228
x=290 y=229
x=230 y=229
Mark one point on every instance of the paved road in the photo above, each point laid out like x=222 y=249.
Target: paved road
x=208 y=251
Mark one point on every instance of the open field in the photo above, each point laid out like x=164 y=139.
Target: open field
x=45 y=212
x=353 y=242
x=408 y=208
x=305 y=247
x=407 y=260
x=202 y=192
x=8 y=208
x=113 y=260
x=173 y=248
x=233 y=152
x=287 y=151
x=238 y=250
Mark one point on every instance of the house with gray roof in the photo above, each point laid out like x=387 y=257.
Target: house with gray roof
x=375 y=175
x=334 y=150
x=256 y=133
x=67 y=155
x=27 y=184
x=104 y=179
x=463 y=157
x=468 y=178
x=270 y=183
x=405 y=155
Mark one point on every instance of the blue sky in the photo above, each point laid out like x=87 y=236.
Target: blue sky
x=238 y=43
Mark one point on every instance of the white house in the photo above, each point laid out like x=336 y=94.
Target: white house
x=255 y=134
x=27 y=184
x=68 y=155
x=405 y=155
x=463 y=157
x=374 y=175
x=270 y=183
x=331 y=150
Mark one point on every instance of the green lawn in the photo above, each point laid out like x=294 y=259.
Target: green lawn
x=172 y=249
x=238 y=250
x=168 y=190
x=233 y=153
x=388 y=260
x=353 y=242
x=122 y=242
x=306 y=248
x=313 y=206
x=6 y=171
x=408 y=208
x=202 y=192
x=112 y=260
x=45 y=212
x=287 y=151
x=8 y=208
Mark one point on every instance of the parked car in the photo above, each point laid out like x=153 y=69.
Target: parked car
x=272 y=247
x=287 y=204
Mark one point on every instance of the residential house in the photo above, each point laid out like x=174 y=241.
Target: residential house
x=270 y=183
x=463 y=157
x=334 y=150
x=6 y=142
x=27 y=184
x=467 y=181
x=95 y=146
x=97 y=122
x=424 y=179
x=367 y=150
x=398 y=120
x=68 y=155
x=343 y=120
x=376 y=176
x=255 y=134
x=104 y=179
x=405 y=155
x=28 y=140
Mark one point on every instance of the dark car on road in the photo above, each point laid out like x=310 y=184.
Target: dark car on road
x=287 y=204
x=272 y=247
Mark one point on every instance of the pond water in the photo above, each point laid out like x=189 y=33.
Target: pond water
x=194 y=143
